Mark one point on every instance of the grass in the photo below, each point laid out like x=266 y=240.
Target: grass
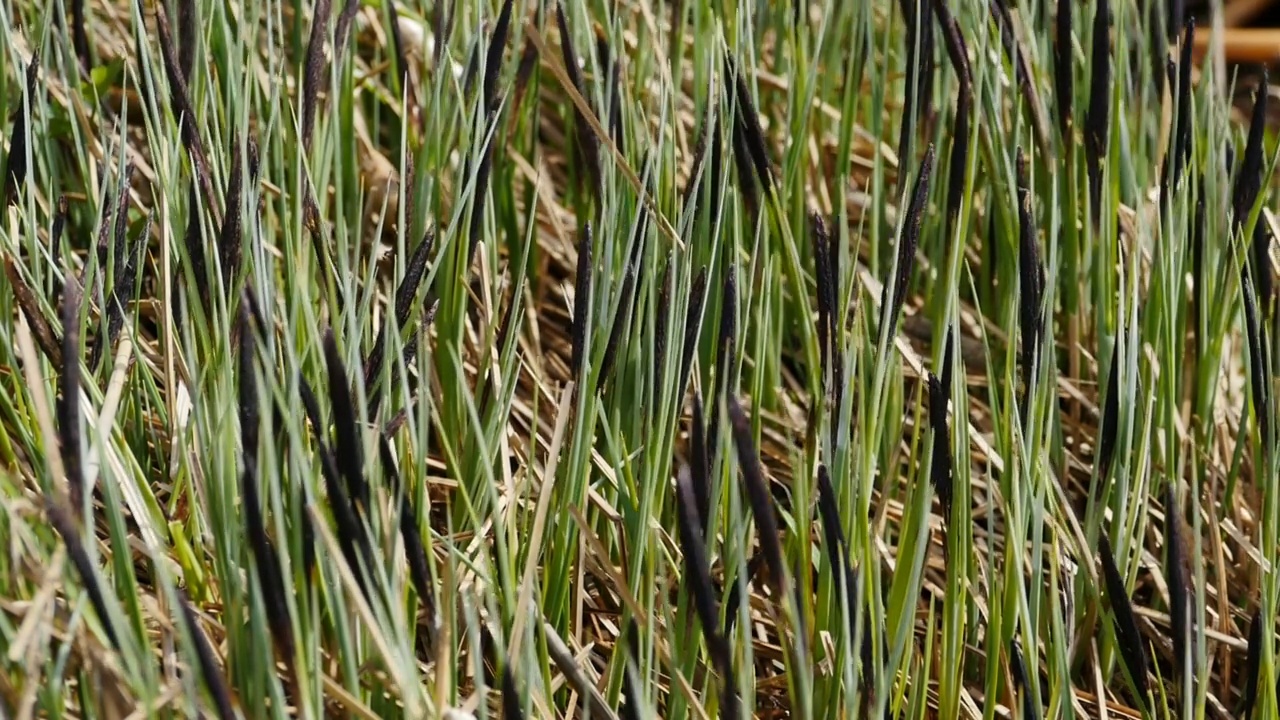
x=633 y=360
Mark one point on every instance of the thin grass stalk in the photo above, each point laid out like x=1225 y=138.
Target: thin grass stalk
x=911 y=29
x=401 y=62
x=442 y=27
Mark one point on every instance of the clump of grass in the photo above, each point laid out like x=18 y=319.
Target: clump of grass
x=479 y=514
